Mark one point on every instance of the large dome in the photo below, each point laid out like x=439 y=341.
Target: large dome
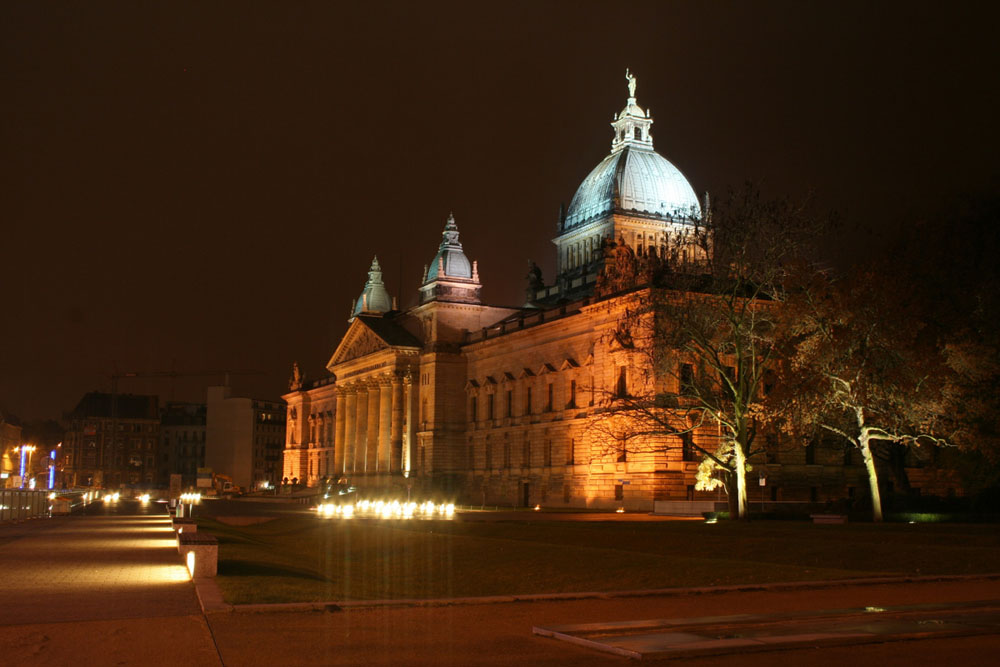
x=635 y=180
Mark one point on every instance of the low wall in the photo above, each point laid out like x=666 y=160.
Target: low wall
x=687 y=507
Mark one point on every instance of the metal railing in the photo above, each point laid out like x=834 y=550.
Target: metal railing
x=21 y=504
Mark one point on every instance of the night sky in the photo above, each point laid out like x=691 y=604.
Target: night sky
x=202 y=186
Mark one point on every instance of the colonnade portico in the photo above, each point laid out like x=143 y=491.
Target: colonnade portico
x=374 y=427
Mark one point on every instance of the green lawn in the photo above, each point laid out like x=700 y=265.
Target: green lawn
x=303 y=558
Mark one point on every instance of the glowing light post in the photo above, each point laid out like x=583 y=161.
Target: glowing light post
x=52 y=469
x=25 y=460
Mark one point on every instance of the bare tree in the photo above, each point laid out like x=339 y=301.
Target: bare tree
x=860 y=366
x=703 y=336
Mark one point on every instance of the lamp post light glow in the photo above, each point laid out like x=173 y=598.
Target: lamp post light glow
x=25 y=460
x=52 y=469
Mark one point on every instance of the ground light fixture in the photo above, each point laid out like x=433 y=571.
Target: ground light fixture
x=386 y=509
x=190 y=563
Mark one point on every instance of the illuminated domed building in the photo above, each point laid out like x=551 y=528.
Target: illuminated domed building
x=492 y=404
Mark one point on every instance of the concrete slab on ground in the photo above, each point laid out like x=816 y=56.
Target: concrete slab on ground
x=714 y=635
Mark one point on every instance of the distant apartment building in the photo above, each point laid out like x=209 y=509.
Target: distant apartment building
x=10 y=440
x=112 y=441
x=245 y=438
x=182 y=441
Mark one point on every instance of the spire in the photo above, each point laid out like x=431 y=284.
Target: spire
x=375 y=298
x=632 y=124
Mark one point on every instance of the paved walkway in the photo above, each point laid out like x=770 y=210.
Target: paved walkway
x=501 y=634
x=107 y=587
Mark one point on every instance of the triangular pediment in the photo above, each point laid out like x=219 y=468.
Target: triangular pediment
x=568 y=363
x=359 y=341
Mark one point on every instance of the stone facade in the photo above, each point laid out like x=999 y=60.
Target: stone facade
x=493 y=405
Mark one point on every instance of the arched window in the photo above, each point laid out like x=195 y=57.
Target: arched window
x=638 y=133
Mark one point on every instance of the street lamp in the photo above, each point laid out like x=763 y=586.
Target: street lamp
x=25 y=461
x=52 y=467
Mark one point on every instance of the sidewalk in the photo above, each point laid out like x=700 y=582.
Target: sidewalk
x=104 y=588
x=108 y=588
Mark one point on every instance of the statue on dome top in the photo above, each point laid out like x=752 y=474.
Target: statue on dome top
x=631 y=82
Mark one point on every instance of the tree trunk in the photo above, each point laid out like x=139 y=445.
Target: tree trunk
x=740 y=473
x=729 y=483
x=866 y=454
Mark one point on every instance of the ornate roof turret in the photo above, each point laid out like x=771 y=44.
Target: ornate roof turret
x=375 y=298
x=450 y=276
x=450 y=260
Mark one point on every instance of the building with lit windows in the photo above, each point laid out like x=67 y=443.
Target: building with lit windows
x=10 y=442
x=112 y=442
x=244 y=438
x=182 y=442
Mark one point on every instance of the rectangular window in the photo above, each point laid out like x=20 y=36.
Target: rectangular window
x=510 y=403
x=619 y=492
x=490 y=404
x=527 y=401
x=621 y=388
x=548 y=404
x=686 y=378
x=572 y=394
x=688 y=451
x=771 y=448
x=571 y=452
x=474 y=409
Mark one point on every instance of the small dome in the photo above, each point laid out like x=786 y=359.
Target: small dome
x=450 y=260
x=375 y=298
x=633 y=180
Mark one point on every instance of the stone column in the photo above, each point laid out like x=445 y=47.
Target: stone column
x=396 y=430
x=338 y=437
x=384 y=424
x=361 y=432
x=350 y=428
x=371 y=452
x=410 y=441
